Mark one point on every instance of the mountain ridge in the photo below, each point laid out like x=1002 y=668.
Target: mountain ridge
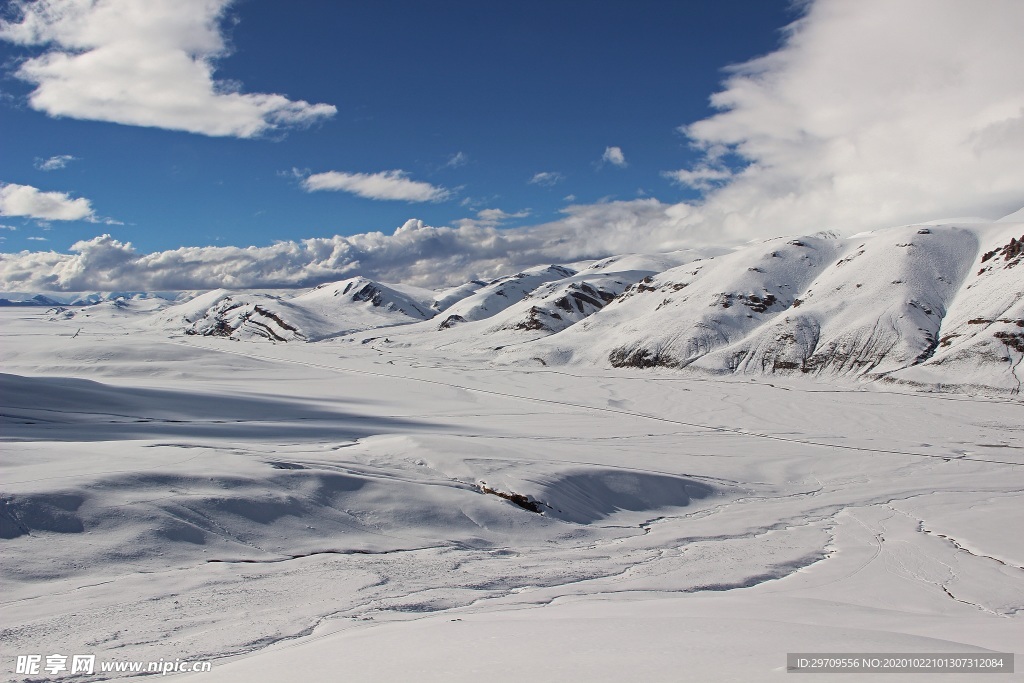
x=933 y=304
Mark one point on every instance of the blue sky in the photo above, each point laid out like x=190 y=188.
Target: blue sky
x=189 y=144
x=476 y=98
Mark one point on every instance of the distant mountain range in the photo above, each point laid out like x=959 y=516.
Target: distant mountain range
x=935 y=305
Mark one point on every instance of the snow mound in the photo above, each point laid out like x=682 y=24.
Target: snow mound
x=585 y=496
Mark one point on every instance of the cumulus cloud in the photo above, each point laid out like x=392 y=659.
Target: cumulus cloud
x=414 y=253
x=28 y=201
x=143 y=64
x=613 y=156
x=386 y=185
x=55 y=163
x=872 y=113
x=546 y=178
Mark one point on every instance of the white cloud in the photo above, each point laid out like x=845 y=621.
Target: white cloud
x=25 y=200
x=546 y=178
x=872 y=113
x=458 y=159
x=37 y=239
x=55 y=163
x=142 y=63
x=386 y=185
x=501 y=216
x=491 y=218
x=414 y=253
x=701 y=177
x=614 y=156
x=7 y=227
x=569 y=198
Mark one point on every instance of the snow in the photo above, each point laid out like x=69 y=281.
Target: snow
x=369 y=497
x=1015 y=217
x=498 y=295
x=329 y=310
x=901 y=305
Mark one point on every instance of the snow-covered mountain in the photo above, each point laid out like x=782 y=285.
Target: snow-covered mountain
x=981 y=339
x=511 y=311
x=500 y=294
x=84 y=298
x=559 y=304
x=329 y=310
x=932 y=304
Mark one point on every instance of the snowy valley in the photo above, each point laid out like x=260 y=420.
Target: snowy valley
x=600 y=470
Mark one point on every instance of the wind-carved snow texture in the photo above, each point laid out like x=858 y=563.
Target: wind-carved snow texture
x=390 y=506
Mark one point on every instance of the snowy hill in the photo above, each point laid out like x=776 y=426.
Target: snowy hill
x=335 y=297
x=935 y=304
x=981 y=340
x=689 y=311
x=258 y=315
x=83 y=298
x=513 y=311
x=877 y=309
x=328 y=310
x=447 y=297
x=499 y=294
x=942 y=299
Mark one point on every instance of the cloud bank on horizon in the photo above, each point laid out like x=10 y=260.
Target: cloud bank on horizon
x=870 y=114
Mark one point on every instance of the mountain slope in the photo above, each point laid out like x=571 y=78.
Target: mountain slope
x=927 y=304
x=328 y=310
x=981 y=341
x=936 y=304
x=507 y=313
x=680 y=315
x=499 y=294
x=876 y=309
